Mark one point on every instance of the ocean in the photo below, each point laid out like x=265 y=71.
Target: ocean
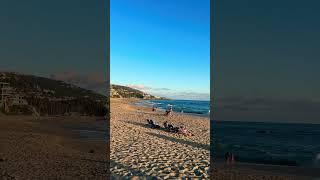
x=268 y=143
x=255 y=142
x=200 y=108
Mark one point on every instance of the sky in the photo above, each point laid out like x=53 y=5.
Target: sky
x=63 y=39
x=266 y=60
x=161 y=47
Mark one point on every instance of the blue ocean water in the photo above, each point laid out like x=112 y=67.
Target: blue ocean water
x=182 y=106
x=268 y=143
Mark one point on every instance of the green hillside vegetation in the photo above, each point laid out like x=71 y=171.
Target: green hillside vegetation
x=118 y=91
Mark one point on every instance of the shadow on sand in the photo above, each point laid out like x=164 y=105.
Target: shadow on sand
x=173 y=139
x=133 y=172
x=182 y=141
x=138 y=124
x=113 y=164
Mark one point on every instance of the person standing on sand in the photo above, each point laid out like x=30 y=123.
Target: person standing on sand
x=232 y=158
x=227 y=157
x=169 y=111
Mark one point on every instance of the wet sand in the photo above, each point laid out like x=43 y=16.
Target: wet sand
x=137 y=150
x=50 y=148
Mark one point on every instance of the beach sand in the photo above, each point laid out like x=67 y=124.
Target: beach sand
x=137 y=150
x=49 y=148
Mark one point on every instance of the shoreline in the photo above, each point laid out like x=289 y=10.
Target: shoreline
x=163 y=110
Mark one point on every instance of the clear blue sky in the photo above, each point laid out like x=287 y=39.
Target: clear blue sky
x=161 y=44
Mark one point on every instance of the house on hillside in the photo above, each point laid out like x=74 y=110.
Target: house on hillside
x=5 y=91
x=8 y=97
x=18 y=100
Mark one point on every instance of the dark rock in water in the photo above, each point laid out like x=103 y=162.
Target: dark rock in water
x=91 y=151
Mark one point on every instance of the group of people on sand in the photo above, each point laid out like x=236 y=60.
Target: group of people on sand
x=180 y=130
x=170 y=128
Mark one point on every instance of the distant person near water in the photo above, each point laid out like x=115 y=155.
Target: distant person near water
x=154 y=108
x=169 y=110
x=229 y=158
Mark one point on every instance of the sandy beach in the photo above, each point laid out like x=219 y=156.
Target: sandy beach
x=50 y=148
x=137 y=150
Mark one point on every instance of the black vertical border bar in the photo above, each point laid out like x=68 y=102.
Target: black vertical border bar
x=106 y=5
x=212 y=87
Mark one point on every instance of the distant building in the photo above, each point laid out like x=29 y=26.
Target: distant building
x=9 y=97
x=5 y=91
x=18 y=100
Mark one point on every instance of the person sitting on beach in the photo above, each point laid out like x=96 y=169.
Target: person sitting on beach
x=175 y=129
x=188 y=133
x=156 y=126
x=169 y=127
x=150 y=121
x=183 y=130
x=152 y=124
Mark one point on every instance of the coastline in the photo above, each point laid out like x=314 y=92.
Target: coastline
x=138 y=103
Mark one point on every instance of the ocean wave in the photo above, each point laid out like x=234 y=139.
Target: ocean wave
x=181 y=106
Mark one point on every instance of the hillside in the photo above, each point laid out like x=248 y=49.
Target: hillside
x=53 y=97
x=118 y=91
x=28 y=84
